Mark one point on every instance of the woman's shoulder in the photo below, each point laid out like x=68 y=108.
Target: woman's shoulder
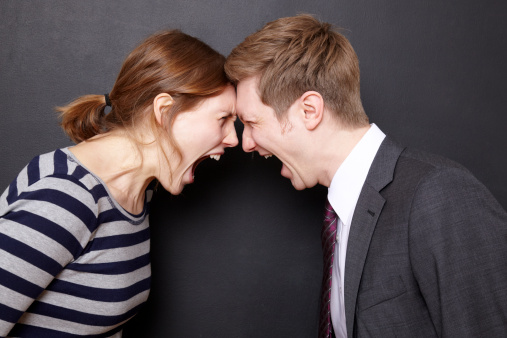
x=48 y=190
x=50 y=176
x=59 y=178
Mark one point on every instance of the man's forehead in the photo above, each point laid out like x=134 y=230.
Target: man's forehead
x=248 y=86
x=241 y=107
x=244 y=104
x=247 y=97
x=243 y=114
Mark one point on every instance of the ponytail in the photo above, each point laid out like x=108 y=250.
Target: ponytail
x=83 y=118
x=169 y=62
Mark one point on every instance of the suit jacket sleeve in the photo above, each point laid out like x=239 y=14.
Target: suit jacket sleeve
x=458 y=251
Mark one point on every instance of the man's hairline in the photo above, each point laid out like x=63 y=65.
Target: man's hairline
x=282 y=118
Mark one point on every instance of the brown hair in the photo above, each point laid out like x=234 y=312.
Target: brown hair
x=167 y=62
x=297 y=54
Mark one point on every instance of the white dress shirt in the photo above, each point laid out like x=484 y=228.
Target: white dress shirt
x=343 y=194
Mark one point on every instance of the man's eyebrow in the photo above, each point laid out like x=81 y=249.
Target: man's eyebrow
x=240 y=116
x=245 y=120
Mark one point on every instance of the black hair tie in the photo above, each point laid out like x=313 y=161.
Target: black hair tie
x=108 y=101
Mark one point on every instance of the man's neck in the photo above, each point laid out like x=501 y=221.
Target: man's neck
x=338 y=144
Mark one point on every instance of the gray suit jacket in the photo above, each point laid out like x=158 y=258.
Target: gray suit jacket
x=427 y=251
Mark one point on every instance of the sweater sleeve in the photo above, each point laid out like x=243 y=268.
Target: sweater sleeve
x=42 y=229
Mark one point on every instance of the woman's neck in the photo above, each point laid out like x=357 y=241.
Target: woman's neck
x=124 y=166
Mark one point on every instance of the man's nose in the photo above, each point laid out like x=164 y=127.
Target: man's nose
x=248 y=142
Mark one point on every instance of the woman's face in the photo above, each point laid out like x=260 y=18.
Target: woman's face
x=203 y=133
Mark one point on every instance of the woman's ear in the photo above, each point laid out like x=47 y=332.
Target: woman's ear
x=161 y=102
x=312 y=104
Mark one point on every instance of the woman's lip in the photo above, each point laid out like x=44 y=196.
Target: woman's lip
x=196 y=163
x=215 y=156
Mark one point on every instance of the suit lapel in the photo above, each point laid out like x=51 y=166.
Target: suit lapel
x=366 y=215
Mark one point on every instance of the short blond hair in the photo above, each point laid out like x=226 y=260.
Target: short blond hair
x=297 y=54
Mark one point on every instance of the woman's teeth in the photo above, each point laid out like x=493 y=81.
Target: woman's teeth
x=267 y=156
x=215 y=157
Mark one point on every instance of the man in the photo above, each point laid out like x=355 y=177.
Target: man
x=418 y=245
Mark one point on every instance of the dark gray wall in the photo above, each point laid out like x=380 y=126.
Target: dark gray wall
x=238 y=253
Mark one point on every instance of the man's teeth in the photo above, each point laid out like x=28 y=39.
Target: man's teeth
x=267 y=156
x=215 y=157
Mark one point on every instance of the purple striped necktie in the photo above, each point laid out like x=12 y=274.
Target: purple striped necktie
x=328 y=243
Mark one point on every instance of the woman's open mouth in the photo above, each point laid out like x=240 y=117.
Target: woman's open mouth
x=216 y=157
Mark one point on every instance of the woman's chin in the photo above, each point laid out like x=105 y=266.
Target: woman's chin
x=175 y=190
x=186 y=178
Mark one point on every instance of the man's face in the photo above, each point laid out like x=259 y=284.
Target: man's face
x=266 y=135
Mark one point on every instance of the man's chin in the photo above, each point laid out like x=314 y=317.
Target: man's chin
x=298 y=185
x=296 y=181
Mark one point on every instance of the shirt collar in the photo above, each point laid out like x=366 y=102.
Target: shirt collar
x=349 y=179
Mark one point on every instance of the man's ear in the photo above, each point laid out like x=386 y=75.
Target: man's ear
x=161 y=102
x=312 y=104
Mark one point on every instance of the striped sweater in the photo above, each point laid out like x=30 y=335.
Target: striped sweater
x=72 y=260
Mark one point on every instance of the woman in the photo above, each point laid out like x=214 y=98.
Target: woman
x=74 y=235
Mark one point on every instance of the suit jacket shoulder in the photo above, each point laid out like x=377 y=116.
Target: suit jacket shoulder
x=423 y=233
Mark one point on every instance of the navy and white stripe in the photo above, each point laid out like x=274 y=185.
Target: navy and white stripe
x=72 y=261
